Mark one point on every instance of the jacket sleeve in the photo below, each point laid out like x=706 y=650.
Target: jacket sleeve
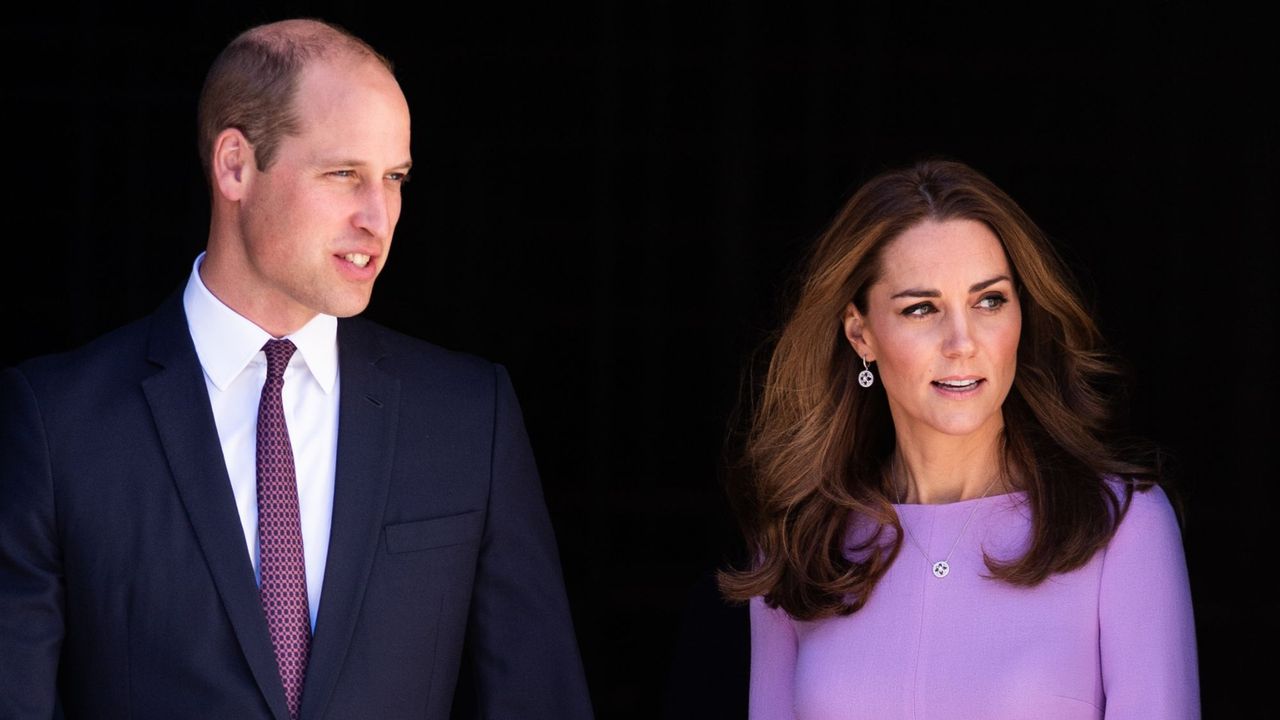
x=1146 y=627
x=526 y=662
x=773 y=663
x=31 y=586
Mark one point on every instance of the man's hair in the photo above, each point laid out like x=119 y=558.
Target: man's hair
x=253 y=81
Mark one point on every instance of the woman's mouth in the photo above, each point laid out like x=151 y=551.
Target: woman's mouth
x=958 y=387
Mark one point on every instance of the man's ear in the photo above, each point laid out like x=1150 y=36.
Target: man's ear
x=855 y=331
x=231 y=164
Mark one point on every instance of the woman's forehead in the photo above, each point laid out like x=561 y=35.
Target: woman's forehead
x=943 y=256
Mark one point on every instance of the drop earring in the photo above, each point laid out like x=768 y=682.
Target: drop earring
x=865 y=378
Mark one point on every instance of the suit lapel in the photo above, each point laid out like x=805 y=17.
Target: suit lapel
x=184 y=421
x=367 y=411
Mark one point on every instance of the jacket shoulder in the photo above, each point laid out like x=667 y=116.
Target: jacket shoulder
x=411 y=358
x=86 y=367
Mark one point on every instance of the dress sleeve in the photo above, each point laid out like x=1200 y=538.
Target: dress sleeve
x=1147 y=631
x=773 y=663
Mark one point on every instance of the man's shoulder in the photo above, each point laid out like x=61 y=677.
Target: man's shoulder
x=412 y=358
x=101 y=379
x=107 y=355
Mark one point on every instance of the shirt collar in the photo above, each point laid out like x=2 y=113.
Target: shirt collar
x=226 y=342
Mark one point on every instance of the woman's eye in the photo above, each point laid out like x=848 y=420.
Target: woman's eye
x=991 y=302
x=919 y=310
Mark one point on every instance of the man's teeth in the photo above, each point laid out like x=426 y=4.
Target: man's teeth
x=957 y=383
x=357 y=259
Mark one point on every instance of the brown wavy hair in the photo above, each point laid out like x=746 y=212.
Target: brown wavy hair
x=818 y=443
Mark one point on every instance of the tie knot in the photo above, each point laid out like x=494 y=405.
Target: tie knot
x=278 y=353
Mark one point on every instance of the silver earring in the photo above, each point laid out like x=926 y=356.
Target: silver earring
x=865 y=378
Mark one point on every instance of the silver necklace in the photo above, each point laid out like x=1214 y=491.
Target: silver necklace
x=942 y=568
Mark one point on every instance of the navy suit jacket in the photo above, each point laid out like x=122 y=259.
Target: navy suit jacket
x=126 y=591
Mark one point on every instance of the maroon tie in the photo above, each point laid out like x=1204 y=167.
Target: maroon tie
x=283 y=568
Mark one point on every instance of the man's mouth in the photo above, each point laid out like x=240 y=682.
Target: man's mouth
x=357 y=259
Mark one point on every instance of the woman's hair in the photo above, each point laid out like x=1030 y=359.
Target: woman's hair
x=816 y=447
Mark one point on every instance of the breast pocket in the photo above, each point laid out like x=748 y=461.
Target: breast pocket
x=440 y=532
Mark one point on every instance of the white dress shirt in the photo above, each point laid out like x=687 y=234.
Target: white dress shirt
x=229 y=347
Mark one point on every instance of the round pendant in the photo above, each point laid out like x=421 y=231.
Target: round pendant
x=941 y=568
x=865 y=378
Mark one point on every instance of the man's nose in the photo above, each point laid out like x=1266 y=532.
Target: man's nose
x=373 y=215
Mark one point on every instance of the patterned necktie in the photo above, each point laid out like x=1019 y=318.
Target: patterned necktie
x=281 y=562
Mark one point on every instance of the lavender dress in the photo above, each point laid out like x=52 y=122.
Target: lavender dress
x=1114 y=639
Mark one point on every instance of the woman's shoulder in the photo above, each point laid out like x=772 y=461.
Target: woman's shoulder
x=1148 y=521
x=1148 y=500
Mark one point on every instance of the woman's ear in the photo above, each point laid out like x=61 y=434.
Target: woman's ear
x=856 y=332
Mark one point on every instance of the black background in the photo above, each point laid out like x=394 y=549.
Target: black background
x=610 y=200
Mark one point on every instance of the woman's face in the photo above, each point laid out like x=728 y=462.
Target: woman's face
x=942 y=324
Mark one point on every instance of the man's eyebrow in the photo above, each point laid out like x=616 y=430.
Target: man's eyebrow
x=918 y=293
x=351 y=162
x=328 y=161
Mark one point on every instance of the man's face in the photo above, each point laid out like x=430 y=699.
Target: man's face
x=316 y=226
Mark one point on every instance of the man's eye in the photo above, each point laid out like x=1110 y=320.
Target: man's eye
x=398 y=177
x=343 y=173
x=919 y=310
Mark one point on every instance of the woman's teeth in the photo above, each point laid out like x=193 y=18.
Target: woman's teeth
x=956 y=384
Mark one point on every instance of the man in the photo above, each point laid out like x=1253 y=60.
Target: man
x=243 y=507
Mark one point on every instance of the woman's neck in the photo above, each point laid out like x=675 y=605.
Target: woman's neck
x=946 y=469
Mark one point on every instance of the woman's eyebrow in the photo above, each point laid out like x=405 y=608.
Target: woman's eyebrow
x=918 y=293
x=988 y=283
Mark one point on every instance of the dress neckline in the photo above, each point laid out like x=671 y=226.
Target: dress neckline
x=1014 y=495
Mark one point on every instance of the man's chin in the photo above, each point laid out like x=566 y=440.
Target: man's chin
x=348 y=307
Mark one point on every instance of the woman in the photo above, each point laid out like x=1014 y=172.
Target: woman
x=943 y=524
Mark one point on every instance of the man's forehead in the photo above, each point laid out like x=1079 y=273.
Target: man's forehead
x=328 y=91
x=332 y=79
x=350 y=114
